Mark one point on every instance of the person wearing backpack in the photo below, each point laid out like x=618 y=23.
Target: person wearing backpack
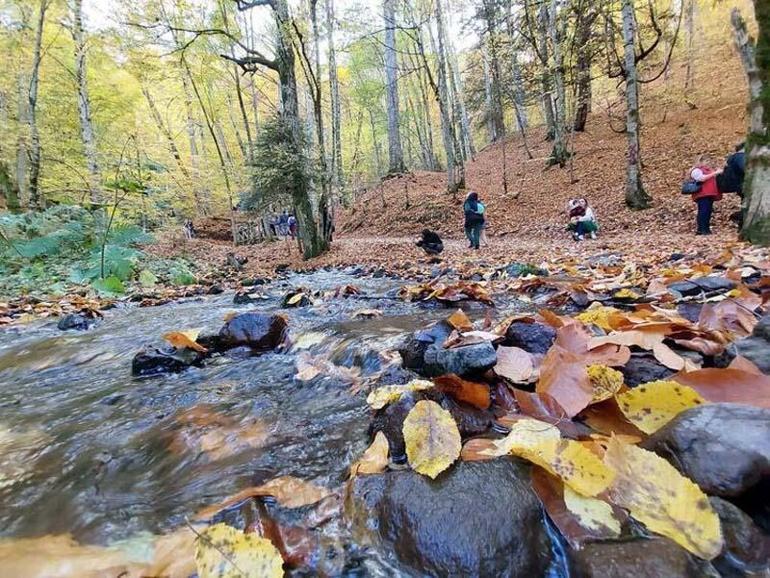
x=707 y=193
x=473 y=210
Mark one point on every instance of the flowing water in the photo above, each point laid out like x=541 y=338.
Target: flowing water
x=87 y=449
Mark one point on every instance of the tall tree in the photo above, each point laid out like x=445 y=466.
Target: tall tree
x=395 y=152
x=559 y=154
x=492 y=73
x=36 y=200
x=334 y=93
x=636 y=196
x=756 y=61
x=87 y=134
x=585 y=13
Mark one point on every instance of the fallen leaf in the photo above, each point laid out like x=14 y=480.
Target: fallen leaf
x=375 y=458
x=470 y=392
x=542 y=444
x=515 y=364
x=580 y=519
x=295 y=299
x=388 y=394
x=224 y=552
x=459 y=320
x=477 y=450
x=564 y=378
x=185 y=340
x=606 y=418
x=605 y=382
x=432 y=438
x=662 y=499
x=730 y=316
x=601 y=316
x=288 y=491
x=652 y=405
x=728 y=385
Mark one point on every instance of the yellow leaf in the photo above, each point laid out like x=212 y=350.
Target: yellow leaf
x=652 y=405
x=185 y=340
x=459 y=320
x=600 y=316
x=432 y=438
x=375 y=458
x=593 y=514
x=541 y=444
x=605 y=382
x=626 y=294
x=224 y=552
x=296 y=298
x=657 y=495
x=388 y=394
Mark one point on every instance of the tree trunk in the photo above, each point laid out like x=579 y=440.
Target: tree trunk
x=84 y=105
x=583 y=36
x=559 y=154
x=334 y=92
x=164 y=130
x=689 y=24
x=460 y=112
x=199 y=190
x=395 y=153
x=492 y=75
x=312 y=242
x=756 y=62
x=545 y=77
x=488 y=96
x=636 y=196
x=36 y=200
x=22 y=144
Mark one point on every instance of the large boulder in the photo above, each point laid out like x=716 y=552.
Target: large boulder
x=723 y=447
x=756 y=348
x=746 y=549
x=477 y=519
x=256 y=330
x=639 y=558
x=531 y=337
x=424 y=353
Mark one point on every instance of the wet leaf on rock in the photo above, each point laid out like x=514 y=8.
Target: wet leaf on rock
x=432 y=439
x=515 y=364
x=728 y=385
x=185 y=340
x=470 y=392
x=388 y=394
x=459 y=320
x=605 y=382
x=657 y=495
x=224 y=552
x=652 y=405
x=375 y=458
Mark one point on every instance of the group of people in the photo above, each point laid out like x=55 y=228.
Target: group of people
x=283 y=225
x=706 y=185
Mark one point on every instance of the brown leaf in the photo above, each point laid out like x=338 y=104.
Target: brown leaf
x=459 y=320
x=606 y=418
x=289 y=491
x=474 y=450
x=728 y=385
x=184 y=340
x=470 y=392
x=515 y=364
x=375 y=458
x=728 y=315
x=563 y=376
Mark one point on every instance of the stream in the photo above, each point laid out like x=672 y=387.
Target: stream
x=89 y=450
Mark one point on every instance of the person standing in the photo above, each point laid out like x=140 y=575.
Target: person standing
x=703 y=174
x=473 y=210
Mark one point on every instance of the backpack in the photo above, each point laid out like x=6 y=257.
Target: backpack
x=691 y=187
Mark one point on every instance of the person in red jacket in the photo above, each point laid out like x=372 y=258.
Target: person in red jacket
x=709 y=192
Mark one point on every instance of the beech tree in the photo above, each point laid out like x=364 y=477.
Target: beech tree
x=395 y=152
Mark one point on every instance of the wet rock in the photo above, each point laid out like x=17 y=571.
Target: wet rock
x=424 y=353
x=390 y=421
x=723 y=447
x=215 y=290
x=531 y=337
x=522 y=270
x=255 y=281
x=296 y=299
x=152 y=361
x=756 y=348
x=246 y=298
x=747 y=549
x=639 y=558
x=685 y=288
x=76 y=321
x=476 y=519
x=690 y=311
x=256 y=330
x=643 y=368
x=714 y=284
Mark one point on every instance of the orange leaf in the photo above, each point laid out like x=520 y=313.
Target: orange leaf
x=563 y=377
x=728 y=385
x=183 y=340
x=470 y=392
x=474 y=450
x=459 y=320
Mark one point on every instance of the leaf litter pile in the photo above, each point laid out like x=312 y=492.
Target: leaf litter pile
x=566 y=407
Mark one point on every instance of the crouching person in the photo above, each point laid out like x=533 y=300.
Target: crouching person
x=582 y=219
x=431 y=243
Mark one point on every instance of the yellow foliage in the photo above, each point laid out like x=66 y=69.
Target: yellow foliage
x=605 y=382
x=657 y=495
x=432 y=438
x=626 y=294
x=593 y=514
x=388 y=394
x=542 y=444
x=652 y=405
x=224 y=552
x=600 y=316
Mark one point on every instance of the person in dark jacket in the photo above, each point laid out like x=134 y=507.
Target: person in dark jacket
x=474 y=219
x=431 y=243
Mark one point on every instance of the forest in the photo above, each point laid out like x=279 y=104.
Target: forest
x=384 y=288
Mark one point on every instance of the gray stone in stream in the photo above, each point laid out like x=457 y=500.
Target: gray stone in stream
x=476 y=519
x=638 y=558
x=259 y=331
x=756 y=348
x=746 y=549
x=713 y=284
x=722 y=447
x=531 y=337
x=685 y=288
x=151 y=361
x=77 y=321
x=643 y=369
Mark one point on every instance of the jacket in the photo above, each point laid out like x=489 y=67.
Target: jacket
x=707 y=177
x=473 y=216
